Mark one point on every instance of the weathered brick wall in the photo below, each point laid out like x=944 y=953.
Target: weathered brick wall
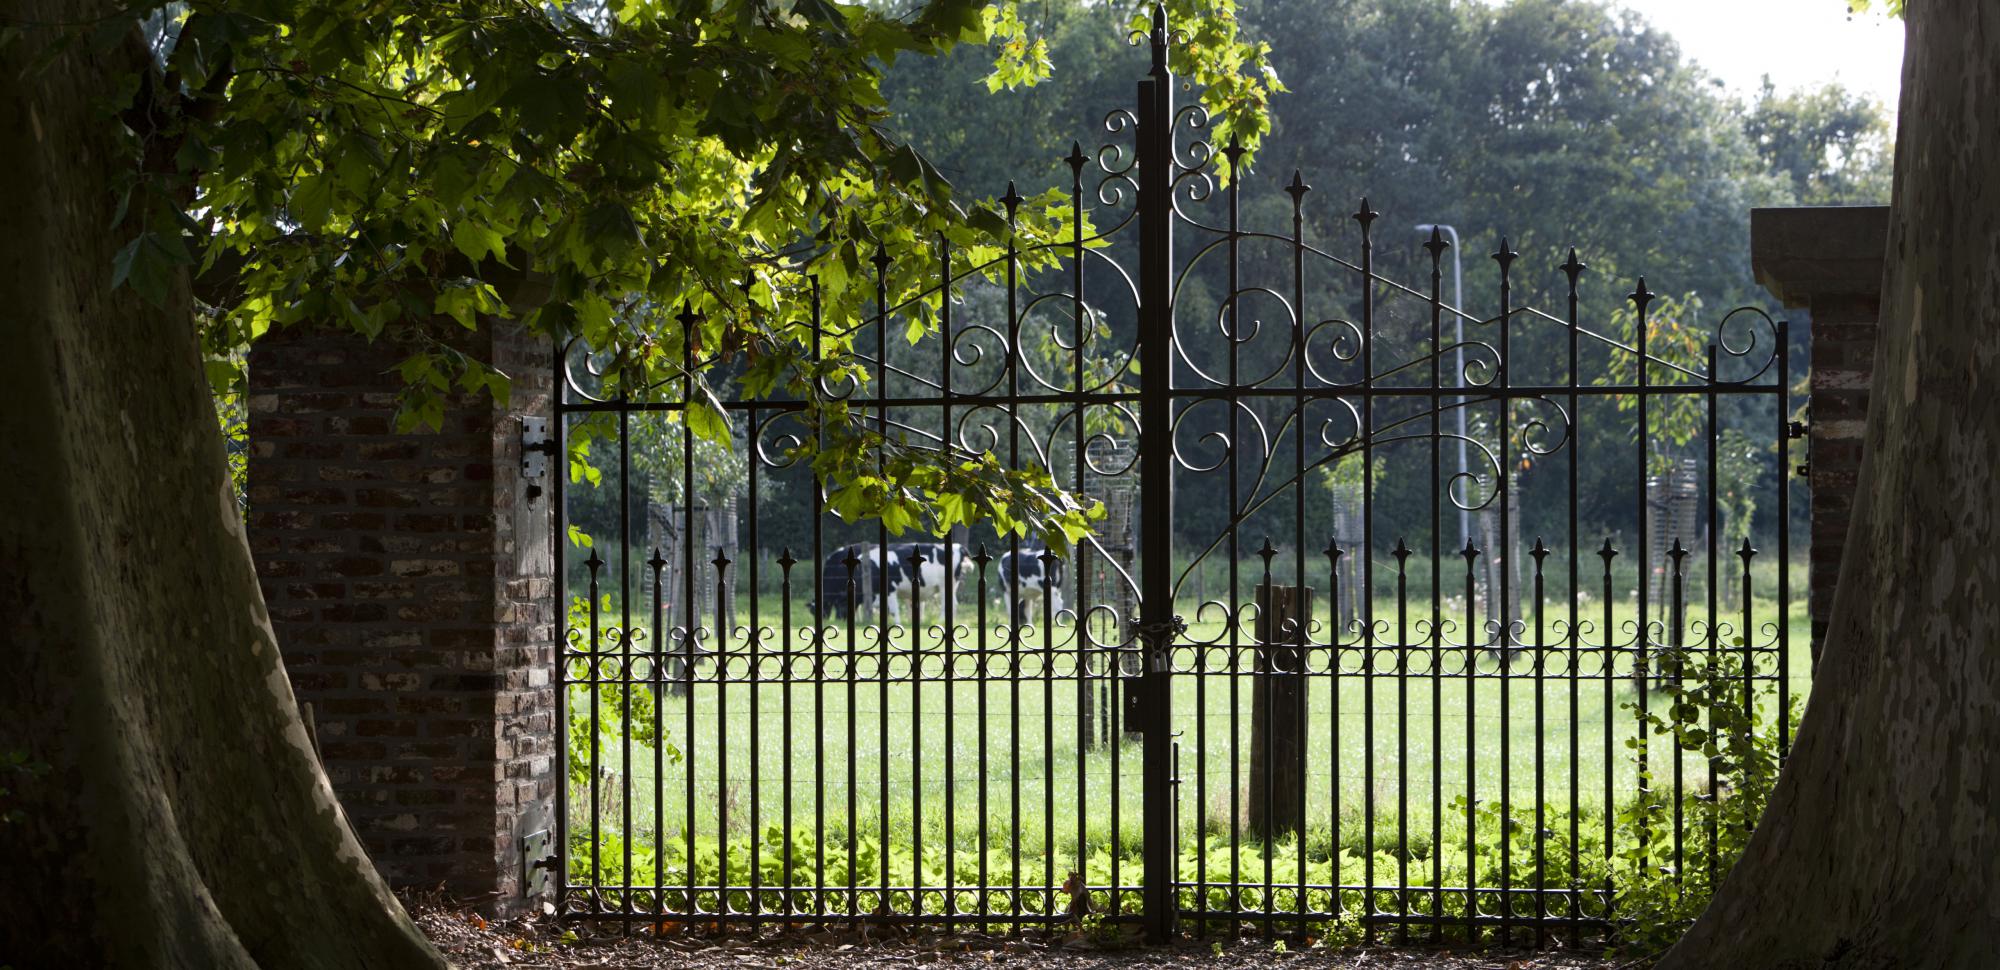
x=409 y=581
x=1828 y=260
x=1843 y=359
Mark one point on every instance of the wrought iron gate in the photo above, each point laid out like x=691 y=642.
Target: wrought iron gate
x=1313 y=692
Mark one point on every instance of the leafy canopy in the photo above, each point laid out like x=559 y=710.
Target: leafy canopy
x=666 y=179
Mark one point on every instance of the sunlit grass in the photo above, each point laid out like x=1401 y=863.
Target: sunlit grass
x=955 y=764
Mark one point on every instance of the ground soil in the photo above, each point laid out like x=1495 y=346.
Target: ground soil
x=471 y=941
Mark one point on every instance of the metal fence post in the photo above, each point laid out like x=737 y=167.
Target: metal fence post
x=1157 y=623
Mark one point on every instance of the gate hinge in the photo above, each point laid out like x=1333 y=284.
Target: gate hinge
x=537 y=448
x=1795 y=429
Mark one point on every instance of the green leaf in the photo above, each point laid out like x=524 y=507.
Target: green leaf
x=147 y=265
x=988 y=221
x=467 y=303
x=704 y=418
x=477 y=241
x=312 y=201
x=611 y=230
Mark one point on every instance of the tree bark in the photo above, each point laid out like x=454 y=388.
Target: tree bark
x=1881 y=845
x=184 y=821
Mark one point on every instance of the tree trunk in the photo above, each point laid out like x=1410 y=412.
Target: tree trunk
x=1881 y=845
x=184 y=821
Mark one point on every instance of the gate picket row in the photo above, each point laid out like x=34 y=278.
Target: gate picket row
x=1369 y=637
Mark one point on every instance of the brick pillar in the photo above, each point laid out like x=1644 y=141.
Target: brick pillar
x=409 y=580
x=1829 y=262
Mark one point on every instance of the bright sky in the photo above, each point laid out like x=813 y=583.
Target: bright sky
x=1797 y=42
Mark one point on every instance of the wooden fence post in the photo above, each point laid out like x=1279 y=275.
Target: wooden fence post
x=1278 y=713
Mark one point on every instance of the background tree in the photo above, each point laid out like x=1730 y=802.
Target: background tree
x=1549 y=124
x=1831 y=144
x=367 y=166
x=1881 y=845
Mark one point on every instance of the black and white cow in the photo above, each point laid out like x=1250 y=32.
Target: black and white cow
x=865 y=565
x=1027 y=575
x=923 y=571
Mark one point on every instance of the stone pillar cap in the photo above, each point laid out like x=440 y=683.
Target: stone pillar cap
x=1800 y=253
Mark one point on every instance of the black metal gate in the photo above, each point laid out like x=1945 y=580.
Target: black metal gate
x=1386 y=663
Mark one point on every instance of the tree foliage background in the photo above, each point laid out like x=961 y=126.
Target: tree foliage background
x=674 y=175
x=1545 y=123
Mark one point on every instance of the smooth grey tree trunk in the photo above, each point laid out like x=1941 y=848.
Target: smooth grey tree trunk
x=184 y=821
x=1881 y=845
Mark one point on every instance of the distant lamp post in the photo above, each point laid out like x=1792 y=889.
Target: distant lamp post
x=1458 y=371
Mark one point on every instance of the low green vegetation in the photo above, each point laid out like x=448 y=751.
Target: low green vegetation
x=1021 y=783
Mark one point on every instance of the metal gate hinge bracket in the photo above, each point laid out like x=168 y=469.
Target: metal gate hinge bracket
x=536 y=450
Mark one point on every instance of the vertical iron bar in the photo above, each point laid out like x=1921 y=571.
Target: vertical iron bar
x=1233 y=619
x=721 y=631
x=1642 y=638
x=755 y=647
x=1301 y=613
x=882 y=616
x=1436 y=247
x=1677 y=638
x=1471 y=555
x=985 y=880
x=1048 y=738
x=1264 y=681
x=658 y=563
x=559 y=541
x=787 y=901
x=596 y=765
x=1084 y=693
x=1572 y=268
x=1504 y=604
x=852 y=660
x=1366 y=605
x=917 y=734
x=624 y=641
x=1784 y=618
x=1333 y=554
x=1156 y=470
x=1017 y=884
x=690 y=639
x=1402 y=553
x=1540 y=554
x=1747 y=553
x=1610 y=766
x=1714 y=602
x=819 y=606
x=947 y=641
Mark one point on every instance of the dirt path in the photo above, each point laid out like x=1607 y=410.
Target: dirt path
x=472 y=942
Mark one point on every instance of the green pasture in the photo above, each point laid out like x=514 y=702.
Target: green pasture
x=1008 y=763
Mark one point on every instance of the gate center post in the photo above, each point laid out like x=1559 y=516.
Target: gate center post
x=1158 y=626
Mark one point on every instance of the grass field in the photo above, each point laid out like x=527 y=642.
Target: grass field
x=960 y=764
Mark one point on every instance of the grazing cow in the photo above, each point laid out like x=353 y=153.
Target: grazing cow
x=865 y=565
x=922 y=569
x=1029 y=574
